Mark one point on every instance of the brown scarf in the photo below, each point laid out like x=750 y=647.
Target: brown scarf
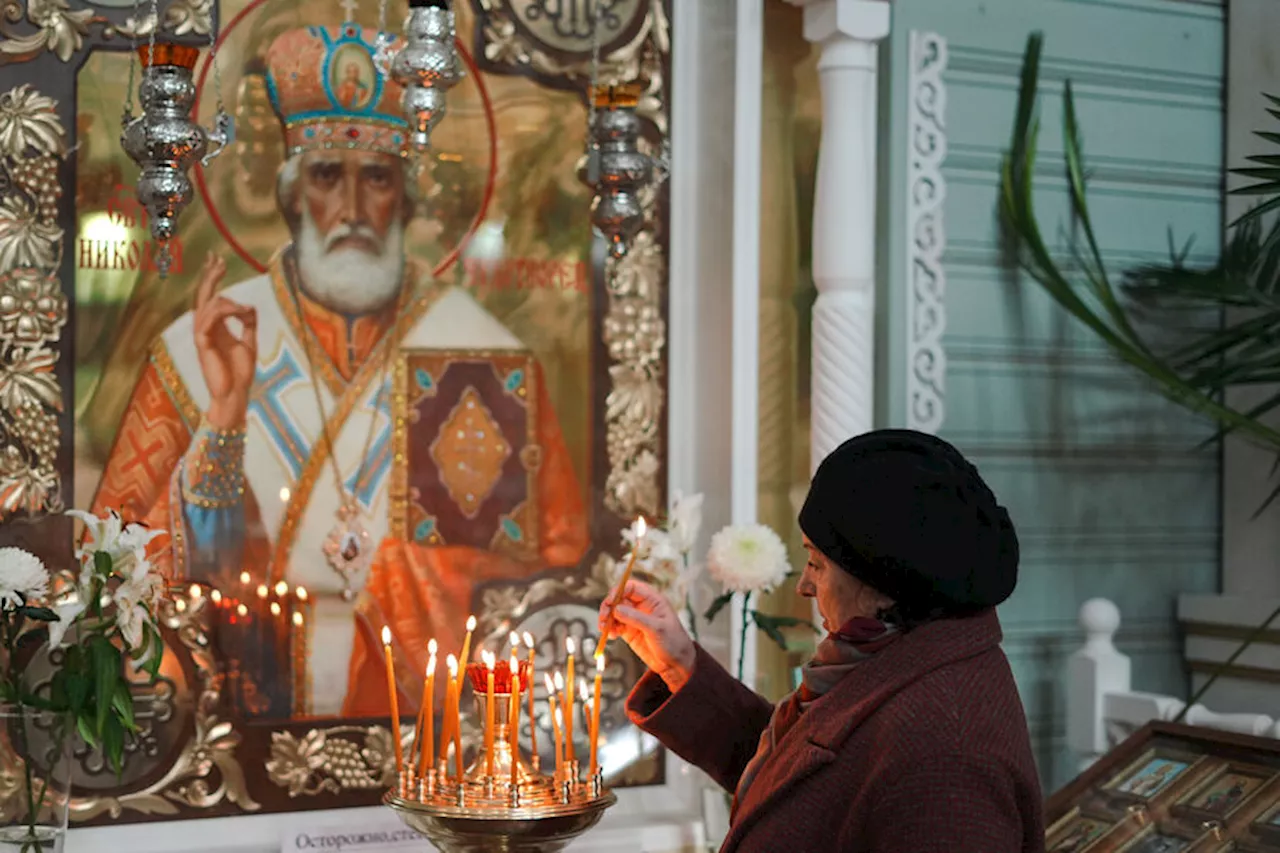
x=837 y=654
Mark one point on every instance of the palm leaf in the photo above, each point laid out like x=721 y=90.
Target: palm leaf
x=1243 y=350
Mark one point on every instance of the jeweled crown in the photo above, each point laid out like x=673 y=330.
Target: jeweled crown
x=328 y=92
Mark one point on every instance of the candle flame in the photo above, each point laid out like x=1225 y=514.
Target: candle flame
x=301 y=592
x=515 y=664
x=600 y=664
x=275 y=608
x=528 y=639
x=195 y=590
x=244 y=577
x=431 y=665
x=431 y=647
x=262 y=590
x=559 y=682
x=569 y=645
x=452 y=663
x=559 y=718
x=640 y=527
x=386 y=635
x=216 y=597
x=551 y=688
x=583 y=692
x=471 y=623
x=242 y=610
x=297 y=619
x=488 y=658
x=282 y=588
x=514 y=640
x=180 y=605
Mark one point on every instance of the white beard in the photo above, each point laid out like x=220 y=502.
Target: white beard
x=349 y=280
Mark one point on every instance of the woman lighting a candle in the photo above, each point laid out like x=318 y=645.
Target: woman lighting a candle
x=909 y=733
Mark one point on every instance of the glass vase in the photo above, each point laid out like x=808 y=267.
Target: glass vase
x=35 y=780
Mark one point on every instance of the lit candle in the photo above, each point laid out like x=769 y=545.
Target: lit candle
x=425 y=730
x=533 y=726
x=297 y=620
x=245 y=578
x=466 y=650
x=301 y=592
x=395 y=702
x=622 y=584
x=262 y=590
x=215 y=597
x=195 y=590
x=242 y=610
x=568 y=702
x=594 y=726
x=513 y=721
x=275 y=608
x=585 y=695
x=555 y=720
x=489 y=661
x=282 y=589
x=450 y=714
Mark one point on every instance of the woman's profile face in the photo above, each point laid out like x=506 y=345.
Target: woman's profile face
x=839 y=595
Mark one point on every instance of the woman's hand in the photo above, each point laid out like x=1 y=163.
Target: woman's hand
x=646 y=622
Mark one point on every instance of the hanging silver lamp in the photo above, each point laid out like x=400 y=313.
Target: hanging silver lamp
x=620 y=170
x=165 y=141
x=427 y=67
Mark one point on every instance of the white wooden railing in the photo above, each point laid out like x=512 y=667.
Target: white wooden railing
x=1102 y=707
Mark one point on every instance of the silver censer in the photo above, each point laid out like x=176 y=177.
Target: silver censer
x=427 y=67
x=622 y=170
x=165 y=141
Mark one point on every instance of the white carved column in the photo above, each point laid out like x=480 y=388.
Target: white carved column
x=844 y=218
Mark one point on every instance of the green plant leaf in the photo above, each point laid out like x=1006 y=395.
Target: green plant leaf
x=85 y=728
x=122 y=703
x=769 y=625
x=40 y=614
x=78 y=686
x=113 y=744
x=794 y=622
x=102 y=563
x=155 y=642
x=106 y=672
x=717 y=605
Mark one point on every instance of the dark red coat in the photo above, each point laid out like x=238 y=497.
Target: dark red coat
x=922 y=748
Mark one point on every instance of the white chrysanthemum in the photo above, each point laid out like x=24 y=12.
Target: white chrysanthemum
x=22 y=576
x=747 y=558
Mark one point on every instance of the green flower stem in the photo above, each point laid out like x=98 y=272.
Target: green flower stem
x=693 y=619
x=14 y=679
x=742 y=638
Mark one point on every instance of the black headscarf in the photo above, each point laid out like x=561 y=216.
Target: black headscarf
x=908 y=515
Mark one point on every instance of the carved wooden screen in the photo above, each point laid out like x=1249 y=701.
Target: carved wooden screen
x=537 y=353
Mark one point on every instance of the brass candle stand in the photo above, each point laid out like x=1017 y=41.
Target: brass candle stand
x=538 y=813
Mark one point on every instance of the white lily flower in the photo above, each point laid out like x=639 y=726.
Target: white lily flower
x=685 y=521
x=68 y=612
x=125 y=543
x=131 y=619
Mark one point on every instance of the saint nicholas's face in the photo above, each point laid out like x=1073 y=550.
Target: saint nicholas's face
x=354 y=197
x=348 y=208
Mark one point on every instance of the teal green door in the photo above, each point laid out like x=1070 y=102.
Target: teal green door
x=1100 y=474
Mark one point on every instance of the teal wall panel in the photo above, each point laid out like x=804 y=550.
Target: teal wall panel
x=1102 y=476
